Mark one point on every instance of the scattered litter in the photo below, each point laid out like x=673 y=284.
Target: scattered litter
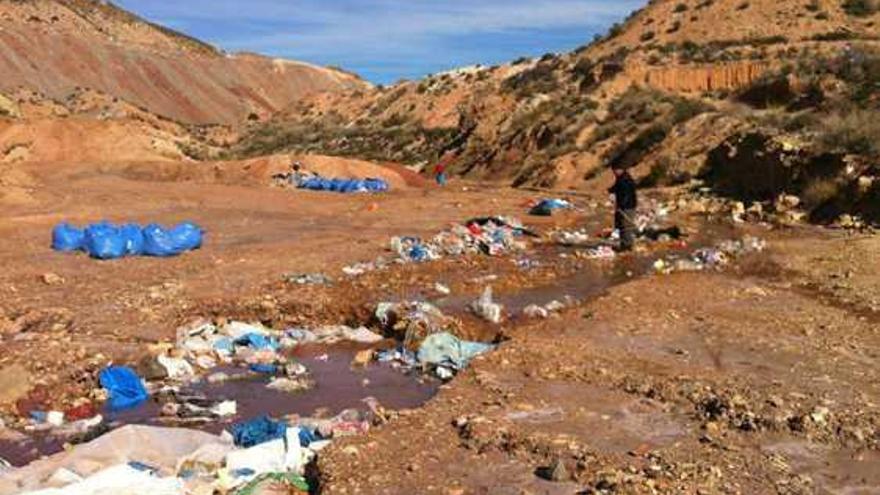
x=442 y=289
x=711 y=258
x=485 y=308
x=492 y=236
x=571 y=237
x=543 y=312
x=601 y=253
x=308 y=279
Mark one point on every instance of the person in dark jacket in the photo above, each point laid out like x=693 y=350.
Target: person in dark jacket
x=626 y=199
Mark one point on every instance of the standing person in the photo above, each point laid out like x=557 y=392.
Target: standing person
x=440 y=173
x=626 y=202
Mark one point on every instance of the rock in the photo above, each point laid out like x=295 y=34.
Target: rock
x=556 y=472
x=787 y=202
x=362 y=358
x=151 y=370
x=52 y=279
x=820 y=415
x=737 y=210
x=14 y=383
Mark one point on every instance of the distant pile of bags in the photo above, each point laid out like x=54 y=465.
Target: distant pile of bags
x=106 y=241
x=344 y=185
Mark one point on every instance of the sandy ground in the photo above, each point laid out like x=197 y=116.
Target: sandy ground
x=761 y=379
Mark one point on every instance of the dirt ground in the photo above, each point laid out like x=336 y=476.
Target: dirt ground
x=759 y=379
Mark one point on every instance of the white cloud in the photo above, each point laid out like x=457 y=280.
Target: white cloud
x=391 y=31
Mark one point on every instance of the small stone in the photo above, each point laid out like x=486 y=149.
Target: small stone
x=52 y=279
x=362 y=358
x=820 y=415
x=556 y=472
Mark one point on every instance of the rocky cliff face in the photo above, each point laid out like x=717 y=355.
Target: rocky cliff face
x=57 y=46
x=703 y=79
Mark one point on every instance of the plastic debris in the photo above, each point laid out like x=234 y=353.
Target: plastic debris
x=601 y=253
x=177 y=368
x=284 y=453
x=448 y=351
x=412 y=321
x=257 y=431
x=291 y=483
x=547 y=206
x=485 y=308
x=710 y=258
x=308 y=279
x=125 y=388
x=571 y=237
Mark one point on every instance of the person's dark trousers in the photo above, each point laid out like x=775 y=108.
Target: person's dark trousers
x=624 y=222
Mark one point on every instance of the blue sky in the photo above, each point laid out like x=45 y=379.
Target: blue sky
x=387 y=40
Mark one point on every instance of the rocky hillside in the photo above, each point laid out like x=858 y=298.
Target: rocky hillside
x=56 y=47
x=666 y=92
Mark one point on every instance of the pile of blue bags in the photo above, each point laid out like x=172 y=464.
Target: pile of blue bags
x=344 y=185
x=106 y=241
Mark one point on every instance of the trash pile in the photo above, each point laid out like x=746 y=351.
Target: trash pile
x=492 y=236
x=411 y=322
x=248 y=458
x=712 y=258
x=106 y=241
x=442 y=354
x=255 y=347
x=346 y=186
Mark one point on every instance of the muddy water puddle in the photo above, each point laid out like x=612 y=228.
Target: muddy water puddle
x=838 y=472
x=337 y=386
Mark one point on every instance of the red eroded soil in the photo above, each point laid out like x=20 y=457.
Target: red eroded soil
x=754 y=380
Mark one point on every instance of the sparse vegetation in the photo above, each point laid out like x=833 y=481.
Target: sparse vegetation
x=861 y=8
x=856 y=133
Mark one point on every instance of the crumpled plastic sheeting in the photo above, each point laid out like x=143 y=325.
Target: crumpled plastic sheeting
x=445 y=349
x=257 y=431
x=160 y=448
x=123 y=479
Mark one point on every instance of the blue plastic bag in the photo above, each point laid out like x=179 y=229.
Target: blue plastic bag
x=345 y=186
x=125 y=388
x=66 y=238
x=186 y=236
x=264 y=369
x=104 y=241
x=134 y=239
x=258 y=342
x=257 y=431
x=162 y=242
